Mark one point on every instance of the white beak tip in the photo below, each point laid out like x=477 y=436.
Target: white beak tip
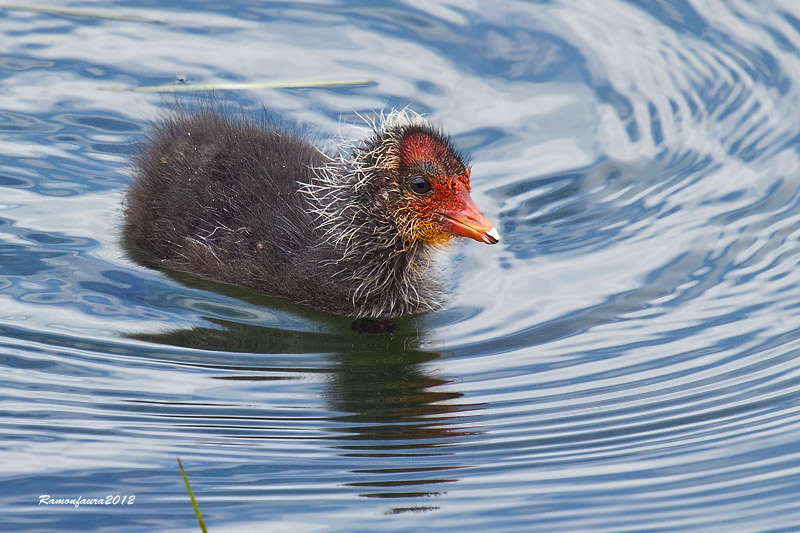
x=493 y=235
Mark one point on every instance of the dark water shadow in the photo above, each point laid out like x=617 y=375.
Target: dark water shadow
x=382 y=401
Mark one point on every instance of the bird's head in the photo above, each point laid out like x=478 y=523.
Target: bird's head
x=425 y=183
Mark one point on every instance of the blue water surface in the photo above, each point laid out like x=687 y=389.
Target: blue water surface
x=626 y=359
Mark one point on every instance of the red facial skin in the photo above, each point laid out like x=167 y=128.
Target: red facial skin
x=447 y=210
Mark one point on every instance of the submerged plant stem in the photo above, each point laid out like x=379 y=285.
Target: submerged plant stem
x=178 y=88
x=80 y=13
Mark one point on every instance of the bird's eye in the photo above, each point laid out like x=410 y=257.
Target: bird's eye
x=419 y=185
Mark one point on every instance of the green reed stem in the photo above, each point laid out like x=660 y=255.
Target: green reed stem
x=191 y=495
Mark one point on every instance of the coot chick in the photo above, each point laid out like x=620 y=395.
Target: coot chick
x=254 y=203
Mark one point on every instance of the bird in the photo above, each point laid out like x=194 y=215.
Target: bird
x=252 y=201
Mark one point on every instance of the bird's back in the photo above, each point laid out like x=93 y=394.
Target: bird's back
x=218 y=195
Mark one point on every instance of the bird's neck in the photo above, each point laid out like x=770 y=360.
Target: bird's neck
x=382 y=274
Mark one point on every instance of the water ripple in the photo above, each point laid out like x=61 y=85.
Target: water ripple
x=627 y=355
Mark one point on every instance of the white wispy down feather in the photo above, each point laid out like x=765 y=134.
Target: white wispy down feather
x=356 y=223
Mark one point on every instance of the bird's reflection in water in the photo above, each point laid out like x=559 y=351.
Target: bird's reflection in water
x=398 y=418
x=384 y=406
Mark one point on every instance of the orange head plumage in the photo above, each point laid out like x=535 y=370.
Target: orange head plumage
x=428 y=194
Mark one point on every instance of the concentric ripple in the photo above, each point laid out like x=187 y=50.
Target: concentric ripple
x=626 y=359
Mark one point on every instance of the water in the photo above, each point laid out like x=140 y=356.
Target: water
x=625 y=360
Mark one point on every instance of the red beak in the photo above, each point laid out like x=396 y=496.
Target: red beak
x=466 y=220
